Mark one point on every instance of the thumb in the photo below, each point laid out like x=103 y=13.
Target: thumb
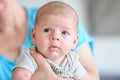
x=41 y=61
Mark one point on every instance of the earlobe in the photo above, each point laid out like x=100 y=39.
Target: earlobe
x=75 y=41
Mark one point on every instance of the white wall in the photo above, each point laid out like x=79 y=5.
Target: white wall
x=107 y=54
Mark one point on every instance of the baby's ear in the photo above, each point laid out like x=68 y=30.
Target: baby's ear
x=75 y=41
x=33 y=35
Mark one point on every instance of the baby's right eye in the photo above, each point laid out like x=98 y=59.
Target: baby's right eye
x=46 y=30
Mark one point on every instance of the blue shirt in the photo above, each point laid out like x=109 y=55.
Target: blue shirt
x=7 y=66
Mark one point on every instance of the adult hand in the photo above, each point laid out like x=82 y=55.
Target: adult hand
x=86 y=59
x=44 y=71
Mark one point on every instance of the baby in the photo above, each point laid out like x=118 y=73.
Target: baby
x=54 y=35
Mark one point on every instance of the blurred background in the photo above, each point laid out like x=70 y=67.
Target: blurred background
x=101 y=19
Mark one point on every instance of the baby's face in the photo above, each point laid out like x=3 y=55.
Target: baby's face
x=54 y=35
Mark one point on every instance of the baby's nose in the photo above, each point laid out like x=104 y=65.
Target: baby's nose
x=54 y=37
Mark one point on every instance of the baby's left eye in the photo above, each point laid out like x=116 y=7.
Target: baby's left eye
x=65 y=33
x=46 y=30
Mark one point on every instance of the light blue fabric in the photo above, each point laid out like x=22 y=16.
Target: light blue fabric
x=7 y=66
x=84 y=37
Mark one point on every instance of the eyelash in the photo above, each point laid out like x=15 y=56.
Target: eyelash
x=47 y=30
x=63 y=32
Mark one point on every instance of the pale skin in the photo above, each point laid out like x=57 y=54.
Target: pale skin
x=13 y=30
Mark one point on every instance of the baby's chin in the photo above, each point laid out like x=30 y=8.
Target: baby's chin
x=56 y=59
x=53 y=57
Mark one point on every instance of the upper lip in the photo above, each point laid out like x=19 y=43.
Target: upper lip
x=54 y=46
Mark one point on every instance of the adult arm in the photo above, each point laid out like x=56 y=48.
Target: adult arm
x=25 y=66
x=84 y=48
x=86 y=59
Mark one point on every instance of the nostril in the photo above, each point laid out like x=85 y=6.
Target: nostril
x=57 y=39
x=54 y=38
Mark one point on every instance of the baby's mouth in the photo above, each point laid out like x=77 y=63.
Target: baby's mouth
x=54 y=48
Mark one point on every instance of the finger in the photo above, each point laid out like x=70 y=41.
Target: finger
x=38 y=57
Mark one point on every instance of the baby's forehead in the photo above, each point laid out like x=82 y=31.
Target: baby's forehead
x=57 y=8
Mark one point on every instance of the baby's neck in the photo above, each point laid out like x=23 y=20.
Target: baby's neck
x=58 y=62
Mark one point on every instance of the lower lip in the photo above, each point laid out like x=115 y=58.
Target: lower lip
x=52 y=49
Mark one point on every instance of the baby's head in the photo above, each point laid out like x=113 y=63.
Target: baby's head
x=59 y=9
x=55 y=31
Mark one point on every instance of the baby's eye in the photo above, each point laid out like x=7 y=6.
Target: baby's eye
x=65 y=33
x=46 y=30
